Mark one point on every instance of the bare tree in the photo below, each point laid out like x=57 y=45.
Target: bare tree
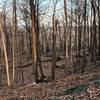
x=54 y=42
x=6 y=55
x=14 y=39
x=66 y=30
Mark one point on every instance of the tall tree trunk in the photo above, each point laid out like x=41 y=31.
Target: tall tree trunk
x=0 y=68
x=79 y=38
x=70 y=40
x=99 y=23
x=34 y=41
x=91 y=39
x=66 y=32
x=76 y=18
x=79 y=30
x=94 y=30
x=66 y=25
x=5 y=54
x=88 y=32
x=84 y=34
x=38 y=42
x=54 y=48
x=14 y=39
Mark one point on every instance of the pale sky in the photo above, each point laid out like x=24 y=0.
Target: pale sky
x=47 y=7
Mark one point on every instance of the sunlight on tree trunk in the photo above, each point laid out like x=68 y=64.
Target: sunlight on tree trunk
x=6 y=57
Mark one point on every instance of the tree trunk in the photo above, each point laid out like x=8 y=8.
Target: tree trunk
x=6 y=56
x=76 y=38
x=99 y=24
x=34 y=41
x=54 y=48
x=94 y=30
x=0 y=68
x=66 y=32
x=14 y=40
x=91 y=39
x=38 y=43
x=84 y=34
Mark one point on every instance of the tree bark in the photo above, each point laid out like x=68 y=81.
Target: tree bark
x=34 y=41
x=14 y=39
x=54 y=48
x=6 y=55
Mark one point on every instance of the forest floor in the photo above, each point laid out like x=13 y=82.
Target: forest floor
x=80 y=86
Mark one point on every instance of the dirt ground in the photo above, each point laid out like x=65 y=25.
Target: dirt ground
x=53 y=90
